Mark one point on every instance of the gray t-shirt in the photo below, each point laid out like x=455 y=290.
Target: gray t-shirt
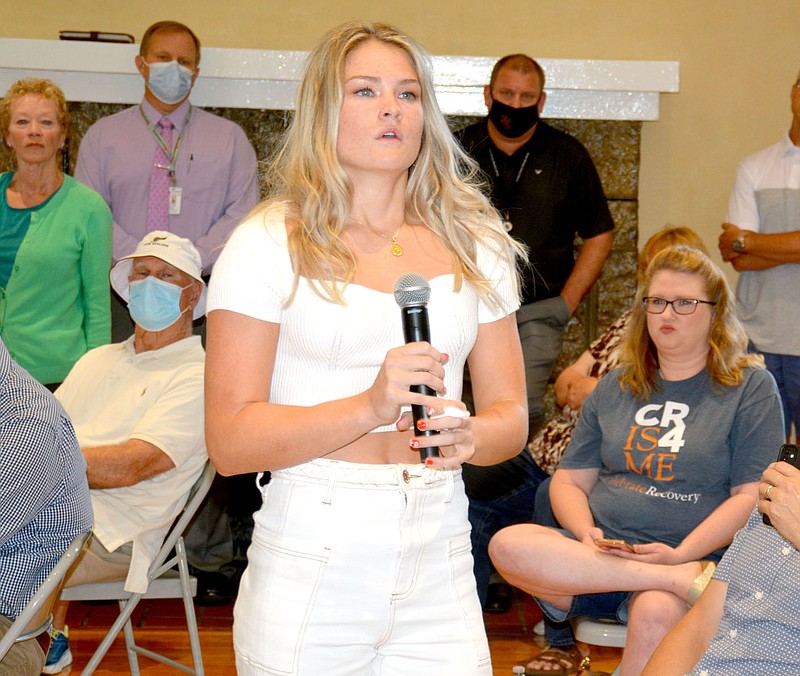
x=668 y=462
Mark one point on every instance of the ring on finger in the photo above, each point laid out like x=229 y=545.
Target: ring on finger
x=766 y=492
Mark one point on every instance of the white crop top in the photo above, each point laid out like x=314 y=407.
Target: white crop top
x=328 y=351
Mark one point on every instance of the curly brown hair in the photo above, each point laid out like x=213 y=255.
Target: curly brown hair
x=39 y=87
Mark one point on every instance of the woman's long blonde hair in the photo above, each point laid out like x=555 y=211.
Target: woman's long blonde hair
x=727 y=354
x=442 y=191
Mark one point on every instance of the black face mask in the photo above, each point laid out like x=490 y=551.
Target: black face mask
x=513 y=122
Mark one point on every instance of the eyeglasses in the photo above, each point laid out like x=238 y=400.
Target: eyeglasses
x=682 y=306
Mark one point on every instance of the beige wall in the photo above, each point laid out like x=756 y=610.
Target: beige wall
x=737 y=58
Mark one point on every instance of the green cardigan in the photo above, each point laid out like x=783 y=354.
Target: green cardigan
x=56 y=305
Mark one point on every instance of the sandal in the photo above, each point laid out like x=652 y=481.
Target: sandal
x=700 y=582
x=569 y=660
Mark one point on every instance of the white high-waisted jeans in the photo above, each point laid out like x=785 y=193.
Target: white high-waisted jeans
x=361 y=570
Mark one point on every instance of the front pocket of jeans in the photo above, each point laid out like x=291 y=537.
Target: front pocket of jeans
x=463 y=582
x=277 y=597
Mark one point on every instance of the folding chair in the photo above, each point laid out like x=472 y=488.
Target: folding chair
x=37 y=616
x=164 y=583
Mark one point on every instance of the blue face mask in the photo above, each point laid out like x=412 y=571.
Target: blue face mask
x=154 y=304
x=169 y=82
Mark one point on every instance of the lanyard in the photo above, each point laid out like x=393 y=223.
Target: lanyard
x=171 y=154
x=504 y=194
x=519 y=173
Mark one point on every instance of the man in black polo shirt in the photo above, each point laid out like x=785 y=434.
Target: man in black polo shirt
x=544 y=183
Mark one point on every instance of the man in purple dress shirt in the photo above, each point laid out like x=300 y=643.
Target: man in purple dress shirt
x=211 y=164
x=167 y=165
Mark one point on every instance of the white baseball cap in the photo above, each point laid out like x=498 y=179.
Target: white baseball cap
x=179 y=252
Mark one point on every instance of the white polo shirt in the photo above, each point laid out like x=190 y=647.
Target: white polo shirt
x=766 y=198
x=114 y=394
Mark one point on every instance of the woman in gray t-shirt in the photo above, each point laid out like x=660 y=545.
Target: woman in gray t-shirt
x=665 y=458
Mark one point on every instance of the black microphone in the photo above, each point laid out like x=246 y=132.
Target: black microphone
x=412 y=293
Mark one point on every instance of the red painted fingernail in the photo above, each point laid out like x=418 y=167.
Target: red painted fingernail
x=428 y=461
x=422 y=425
x=431 y=410
x=413 y=443
x=445 y=357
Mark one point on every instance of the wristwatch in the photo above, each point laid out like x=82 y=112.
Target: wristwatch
x=738 y=243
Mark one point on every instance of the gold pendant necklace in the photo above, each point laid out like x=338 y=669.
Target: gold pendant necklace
x=395 y=248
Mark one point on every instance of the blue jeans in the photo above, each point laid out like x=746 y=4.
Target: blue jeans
x=502 y=495
x=558 y=634
x=606 y=606
x=612 y=605
x=499 y=496
x=785 y=369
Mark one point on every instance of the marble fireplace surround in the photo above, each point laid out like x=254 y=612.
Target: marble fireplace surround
x=267 y=79
x=603 y=103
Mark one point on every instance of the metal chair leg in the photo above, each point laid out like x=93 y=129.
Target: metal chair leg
x=188 y=605
x=126 y=610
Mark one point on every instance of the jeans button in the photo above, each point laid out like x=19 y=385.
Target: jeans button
x=406 y=476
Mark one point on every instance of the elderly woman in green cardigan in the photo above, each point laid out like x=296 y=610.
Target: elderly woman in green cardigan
x=55 y=241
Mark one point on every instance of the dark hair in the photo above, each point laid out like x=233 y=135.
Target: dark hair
x=522 y=63
x=169 y=27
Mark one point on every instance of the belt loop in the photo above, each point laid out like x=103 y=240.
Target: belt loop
x=262 y=488
x=331 y=485
x=450 y=487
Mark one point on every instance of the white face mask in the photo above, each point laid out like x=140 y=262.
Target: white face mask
x=169 y=81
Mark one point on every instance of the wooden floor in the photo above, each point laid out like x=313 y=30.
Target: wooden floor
x=158 y=625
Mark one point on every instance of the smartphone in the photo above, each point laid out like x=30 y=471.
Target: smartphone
x=789 y=453
x=608 y=543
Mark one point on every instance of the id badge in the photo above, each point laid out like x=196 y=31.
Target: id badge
x=175 y=196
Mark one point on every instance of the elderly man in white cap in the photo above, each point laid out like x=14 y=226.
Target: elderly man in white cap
x=137 y=408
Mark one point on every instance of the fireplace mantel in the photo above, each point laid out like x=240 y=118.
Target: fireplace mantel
x=267 y=79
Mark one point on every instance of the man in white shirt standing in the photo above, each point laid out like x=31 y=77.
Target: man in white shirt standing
x=762 y=241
